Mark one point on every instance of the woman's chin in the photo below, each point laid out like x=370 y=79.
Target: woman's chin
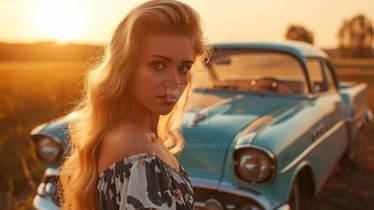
x=164 y=110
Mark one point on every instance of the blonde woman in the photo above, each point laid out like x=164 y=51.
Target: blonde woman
x=125 y=135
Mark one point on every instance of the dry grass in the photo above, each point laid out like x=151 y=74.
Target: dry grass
x=357 y=63
x=31 y=93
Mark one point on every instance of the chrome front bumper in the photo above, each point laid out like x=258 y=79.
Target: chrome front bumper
x=207 y=192
x=223 y=195
x=46 y=197
x=44 y=203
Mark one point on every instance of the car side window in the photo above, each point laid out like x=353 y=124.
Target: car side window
x=316 y=75
x=330 y=77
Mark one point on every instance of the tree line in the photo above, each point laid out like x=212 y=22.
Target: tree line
x=355 y=40
x=355 y=36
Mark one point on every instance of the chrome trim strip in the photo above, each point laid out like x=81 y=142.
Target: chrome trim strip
x=204 y=183
x=312 y=146
x=199 y=204
x=256 y=126
x=37 y=129
x=232 y=189
x=268 y=152
x=230 y=207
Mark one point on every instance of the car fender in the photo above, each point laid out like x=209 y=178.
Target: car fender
x=304 y=165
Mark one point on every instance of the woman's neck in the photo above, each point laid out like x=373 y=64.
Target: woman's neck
x=144 y=120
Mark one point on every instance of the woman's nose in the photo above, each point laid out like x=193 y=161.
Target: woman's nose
x=174 y=78
x=175 y=83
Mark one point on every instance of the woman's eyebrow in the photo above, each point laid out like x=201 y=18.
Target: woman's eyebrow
x=168 y=59
x=188 y=62
x=160 y=56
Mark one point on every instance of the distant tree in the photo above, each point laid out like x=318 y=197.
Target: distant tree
x=299 y=33
x=356 y=37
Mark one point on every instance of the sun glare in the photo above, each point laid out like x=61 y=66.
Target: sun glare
x=60 y=20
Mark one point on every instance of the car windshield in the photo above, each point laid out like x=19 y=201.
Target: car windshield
x=263 y=71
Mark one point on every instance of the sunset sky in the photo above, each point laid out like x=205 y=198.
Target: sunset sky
x=92 y=21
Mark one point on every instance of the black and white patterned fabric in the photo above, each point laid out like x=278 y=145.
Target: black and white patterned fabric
x=144 y=181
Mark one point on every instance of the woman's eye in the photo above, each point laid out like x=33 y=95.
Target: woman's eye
x=184 y=68
x=157 y=65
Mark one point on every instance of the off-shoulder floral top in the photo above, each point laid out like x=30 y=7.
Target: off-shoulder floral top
x=144 y=181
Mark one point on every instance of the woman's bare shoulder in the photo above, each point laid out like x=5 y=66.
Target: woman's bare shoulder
x=122 y=142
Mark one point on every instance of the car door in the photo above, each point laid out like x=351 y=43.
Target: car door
x=330 y=132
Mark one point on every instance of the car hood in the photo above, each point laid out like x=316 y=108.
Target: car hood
x=212 y=120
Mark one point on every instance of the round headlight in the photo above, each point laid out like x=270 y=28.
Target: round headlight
x=254 y=165
x=48 y=150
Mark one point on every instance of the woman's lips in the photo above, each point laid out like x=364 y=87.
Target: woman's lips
x=168 y=99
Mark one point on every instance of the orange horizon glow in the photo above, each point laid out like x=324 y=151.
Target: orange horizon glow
x=93 y=21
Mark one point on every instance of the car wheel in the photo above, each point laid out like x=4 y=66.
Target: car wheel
x=294 y=200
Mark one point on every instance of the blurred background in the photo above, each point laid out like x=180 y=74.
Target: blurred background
x=47 y=45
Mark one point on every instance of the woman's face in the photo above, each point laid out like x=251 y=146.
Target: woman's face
x=161 y=74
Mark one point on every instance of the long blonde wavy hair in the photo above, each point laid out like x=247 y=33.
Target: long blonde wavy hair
x=107 y=97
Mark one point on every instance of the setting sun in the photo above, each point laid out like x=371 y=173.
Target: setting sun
x=60 y=20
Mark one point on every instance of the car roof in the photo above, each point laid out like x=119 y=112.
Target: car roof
x=299 y=49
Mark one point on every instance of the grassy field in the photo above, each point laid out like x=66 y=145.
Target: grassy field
x=357 y=63
x=32 y=93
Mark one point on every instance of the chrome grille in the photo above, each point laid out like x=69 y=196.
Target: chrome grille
x=57 y=197
x=228 y=201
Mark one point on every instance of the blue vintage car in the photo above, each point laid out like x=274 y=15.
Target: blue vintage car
x=265 y=126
